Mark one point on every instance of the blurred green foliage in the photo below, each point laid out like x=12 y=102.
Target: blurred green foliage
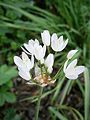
x=25 y=19
x=22 y=20
x=6 y=74
x=10 y=114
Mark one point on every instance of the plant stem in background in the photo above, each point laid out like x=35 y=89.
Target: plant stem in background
x=38 y=103
x=58 y=88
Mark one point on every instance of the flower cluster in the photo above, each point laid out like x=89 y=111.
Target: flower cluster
x=71 y=70
x=44 y=65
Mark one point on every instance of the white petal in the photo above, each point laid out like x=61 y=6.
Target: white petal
x=44 y=50
x=29 y=47
x=18 y=61
x=63 y=45
x=37 y=71
x=49 y=60
x=70 y=71
x=31 y=42
x=54 y=42
x=71 y=54
x=80 y=69
x=40 y=52
x=50 y=69
x=25 y=51
x=65 y=65
x=72 y=65
x=32 y=61
x=72 y=76
x=46 y=37
x=55 y=45
x=42 y=61
x=26 y=61
x=24 y=56
x=30 y=83
x=54 y=37
x=36 y=42
x=24 y=74
x=61 y=41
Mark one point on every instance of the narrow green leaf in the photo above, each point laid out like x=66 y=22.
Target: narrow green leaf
x=58 y=88
x=67 y=86
x=87 y=94
x=57 y=114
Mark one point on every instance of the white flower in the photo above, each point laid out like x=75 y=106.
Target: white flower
x=46 y=37
x=31 y=46
x=71 y=54
x=24 y=65
x=40 y=52
x=58 y=44
x=35 y=49
x=72 y=71
x=25 y=62
x=49 y=62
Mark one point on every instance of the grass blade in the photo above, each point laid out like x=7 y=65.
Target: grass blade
x=57 y=113
x=87 y=94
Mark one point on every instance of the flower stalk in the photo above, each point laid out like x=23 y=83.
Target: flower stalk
x=38 y=103
x=37 y=63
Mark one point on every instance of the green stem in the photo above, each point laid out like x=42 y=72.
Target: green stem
x=48 y=49
x=57 y=74
x=38 y=103
x=40 y=67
